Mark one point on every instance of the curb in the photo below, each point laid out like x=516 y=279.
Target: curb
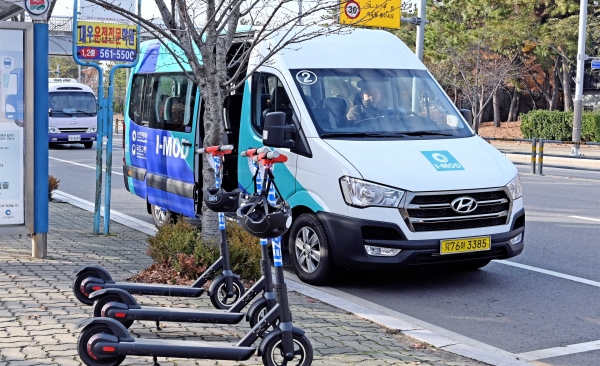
x=415 y=328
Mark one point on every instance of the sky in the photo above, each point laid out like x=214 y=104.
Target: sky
x=65 y=7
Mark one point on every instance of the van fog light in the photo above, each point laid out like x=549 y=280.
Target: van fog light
x=54 y=139
x=381 y=252
x=517 y=239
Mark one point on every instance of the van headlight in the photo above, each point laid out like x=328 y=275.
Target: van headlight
x=514 y=187
x=360 y=193
x=92 y=129
x=53 y=130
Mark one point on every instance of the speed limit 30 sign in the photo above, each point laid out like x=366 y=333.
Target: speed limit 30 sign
x=352 y=9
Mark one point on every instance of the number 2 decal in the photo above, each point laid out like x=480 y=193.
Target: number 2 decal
x=306 y=77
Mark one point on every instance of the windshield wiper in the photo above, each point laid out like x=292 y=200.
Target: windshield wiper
x=359 y=134
x=84 y=112
x=425 y=133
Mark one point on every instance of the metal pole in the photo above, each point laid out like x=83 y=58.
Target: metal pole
x=533 y=147
x=541 y=157
x=39 y=247
x=79 y=73
x=421 y=29
x=109 y=141
x=101 y=121
x=581 y=57
x=299 y=12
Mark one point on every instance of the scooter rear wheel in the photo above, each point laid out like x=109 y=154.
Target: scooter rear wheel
x=83 y=298
x=89 y=359
x=103 y=300
x=303 y=352
x=219 y=297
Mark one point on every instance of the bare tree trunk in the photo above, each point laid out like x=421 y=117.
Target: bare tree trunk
x=566 y=82
x=512 y=111
x=556 y=83
x=496 y=104
x=531 y=96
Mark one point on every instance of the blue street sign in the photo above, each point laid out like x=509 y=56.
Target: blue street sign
x=595 y=64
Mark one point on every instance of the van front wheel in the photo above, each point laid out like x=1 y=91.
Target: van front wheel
x=161 y=216
x=309 y=250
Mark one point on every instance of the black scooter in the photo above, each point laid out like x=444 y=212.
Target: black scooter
x=225 y=290
x=107 y=342
x=122 y=306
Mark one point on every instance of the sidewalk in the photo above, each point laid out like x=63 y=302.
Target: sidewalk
x=38 y=309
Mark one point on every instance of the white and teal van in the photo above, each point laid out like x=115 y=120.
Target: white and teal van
x=383 y=170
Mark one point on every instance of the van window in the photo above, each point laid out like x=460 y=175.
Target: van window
x=70 y=103
x=378 y=103
x=163 y=101
x=136 y=99
x=269 y=95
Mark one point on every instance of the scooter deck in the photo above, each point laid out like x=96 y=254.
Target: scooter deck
x=155 y=313
x=185 y=349
x=158 y=290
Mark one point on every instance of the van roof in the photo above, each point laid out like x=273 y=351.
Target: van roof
x=344 y=48
x=54 y=87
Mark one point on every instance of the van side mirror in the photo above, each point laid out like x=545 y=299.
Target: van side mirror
x=467 y=115
x=275 y=130
x=50 y=112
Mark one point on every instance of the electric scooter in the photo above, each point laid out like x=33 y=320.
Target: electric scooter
x=106 y=342
x=122 y=306
x=224 y=291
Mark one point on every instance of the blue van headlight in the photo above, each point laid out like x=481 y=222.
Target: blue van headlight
x=53 y=130
x=514 y=188
x=360 y=193
x=92 y=129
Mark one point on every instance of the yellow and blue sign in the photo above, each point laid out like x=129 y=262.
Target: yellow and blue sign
x=106 y=41
x=442 y=160
x=370 y=13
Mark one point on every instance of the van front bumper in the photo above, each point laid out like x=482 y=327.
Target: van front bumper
x=348 y=237
x=63 y=138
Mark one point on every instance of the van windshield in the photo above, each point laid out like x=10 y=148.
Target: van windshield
x=378 y=103
x=72 y=104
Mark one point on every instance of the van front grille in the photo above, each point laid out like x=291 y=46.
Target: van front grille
x=71 y=130
x=433 y=211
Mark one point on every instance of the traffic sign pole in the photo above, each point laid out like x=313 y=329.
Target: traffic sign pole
x=581 y=57
x=109 y=128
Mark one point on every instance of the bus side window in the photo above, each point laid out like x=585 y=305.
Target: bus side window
x=136 y=99
x=269 y=95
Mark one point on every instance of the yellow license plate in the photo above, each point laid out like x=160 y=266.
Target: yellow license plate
x=463 y=245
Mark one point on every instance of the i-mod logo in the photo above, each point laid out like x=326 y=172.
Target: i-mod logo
x=171 y=146
x=442 y=160
x=133 y=135
x=8 y=212
x=133 y=150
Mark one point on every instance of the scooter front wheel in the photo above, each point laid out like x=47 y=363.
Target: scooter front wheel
x=219 y=296
x=86 y=355
x=303 y=352
x=82 y=297
x=103 y=300
x=256 y=314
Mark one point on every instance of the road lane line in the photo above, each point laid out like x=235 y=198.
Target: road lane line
x=116 y=216
x=83 y=165
x=585 y=218
x=551 y=273
x=561 y=351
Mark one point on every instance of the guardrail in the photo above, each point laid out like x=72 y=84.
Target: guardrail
x=537 y=154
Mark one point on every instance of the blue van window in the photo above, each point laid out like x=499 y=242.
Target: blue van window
x=269 y=95
x=136 y=99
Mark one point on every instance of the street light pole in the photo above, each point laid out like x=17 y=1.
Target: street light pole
x=581 y=57
x=421 y=29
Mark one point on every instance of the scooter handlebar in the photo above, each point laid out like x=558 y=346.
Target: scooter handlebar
x=270 y=157
x=224 y=149
x=254 y=151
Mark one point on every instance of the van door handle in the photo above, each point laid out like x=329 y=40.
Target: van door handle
x=185 y=142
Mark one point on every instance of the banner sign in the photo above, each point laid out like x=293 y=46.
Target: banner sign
x=370 y=13
x=106 y=41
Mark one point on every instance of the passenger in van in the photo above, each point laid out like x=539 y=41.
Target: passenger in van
x=368 y=107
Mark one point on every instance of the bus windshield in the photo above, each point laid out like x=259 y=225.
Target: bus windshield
x=72 y=103
x=378 y=103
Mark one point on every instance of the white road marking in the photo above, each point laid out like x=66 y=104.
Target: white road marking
x=561 y=351
x=83 y=165
x=585 y=218
x=551 y=273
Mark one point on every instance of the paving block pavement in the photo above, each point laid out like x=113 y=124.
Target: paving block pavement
x=38 y=309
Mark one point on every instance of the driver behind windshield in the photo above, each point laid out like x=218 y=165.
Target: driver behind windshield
x=369 y=107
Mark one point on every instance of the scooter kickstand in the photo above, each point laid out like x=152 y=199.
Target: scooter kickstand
x=155 y=361
x=157 y=326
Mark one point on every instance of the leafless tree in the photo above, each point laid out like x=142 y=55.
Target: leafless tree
x=201 y=33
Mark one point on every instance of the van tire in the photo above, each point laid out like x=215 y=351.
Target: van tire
x=163 y=217
x=308 y=228
x=88 y=145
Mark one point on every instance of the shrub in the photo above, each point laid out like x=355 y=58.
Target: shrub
x=556 y=125
x=52 y=185
x=181 y=246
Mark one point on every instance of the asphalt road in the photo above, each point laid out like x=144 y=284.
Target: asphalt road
x=512 y=308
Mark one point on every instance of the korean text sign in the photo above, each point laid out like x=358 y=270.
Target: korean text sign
x=106 y=41
x=371 y=13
